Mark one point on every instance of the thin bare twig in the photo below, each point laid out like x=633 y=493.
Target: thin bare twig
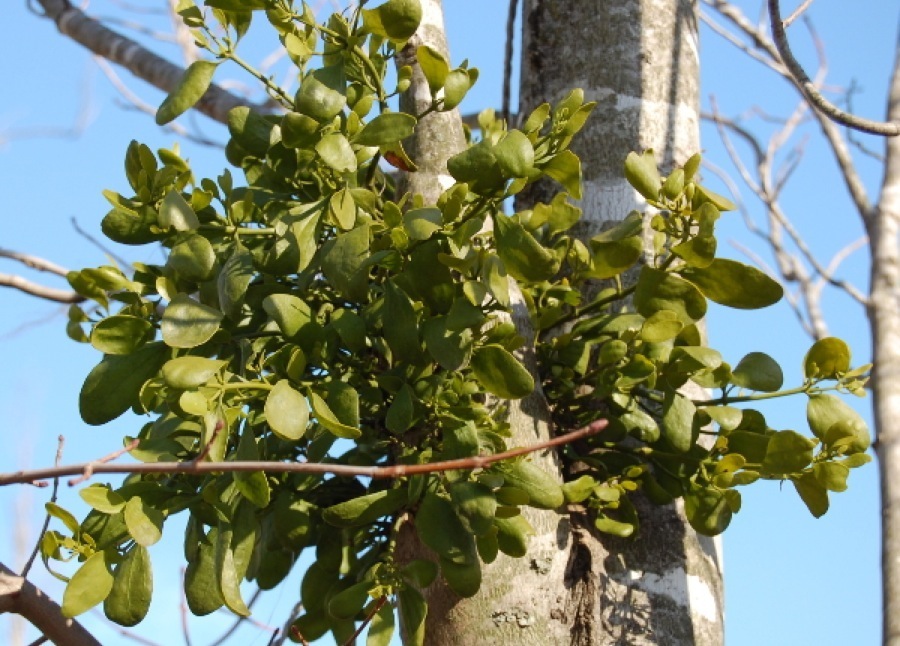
x=60 y=443
x=183 y=611
x=89 y=468
x=811 y=92
x=396 y=471
x=34 y=262
x=356 y=633
x=797 y=12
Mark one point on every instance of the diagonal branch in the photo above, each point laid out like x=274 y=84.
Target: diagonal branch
x=811 y=92
x=138 y=60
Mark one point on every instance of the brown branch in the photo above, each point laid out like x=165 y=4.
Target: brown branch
x=138 y=60
x=811 y=92
x=797 y=12
x=34 y=262
x=21 y=597
x=60 y=443
x=395 y=471
x=378 y=606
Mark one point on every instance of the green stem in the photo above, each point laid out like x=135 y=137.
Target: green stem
x=725 y=400
x=287 y=101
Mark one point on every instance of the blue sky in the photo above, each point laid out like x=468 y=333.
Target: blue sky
x=789 y=578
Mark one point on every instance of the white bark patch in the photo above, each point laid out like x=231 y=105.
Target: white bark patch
x=681 y=588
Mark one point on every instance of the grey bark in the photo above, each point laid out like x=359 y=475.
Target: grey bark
x=639 y=61
x=884 y=304
x=21 y=597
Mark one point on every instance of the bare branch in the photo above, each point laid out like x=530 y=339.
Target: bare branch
x=396 y=471
x=89 y=469
x=21 y=597
x=141 y=62
x=797 y=12
x=60 y=443
x=34 y=262
x=811 y=92
x=47 y=293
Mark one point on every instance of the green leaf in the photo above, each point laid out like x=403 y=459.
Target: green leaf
x=832 y=475
x=143 y=521
x=342 y=262
x=253 y=485
x=250 y=130
x=193 y=258
x=187 y=323
x=478 y=167
x=440 y=528
x=90 y=585
x=450 y=349
x=421 y=223
x=335 y=150
x=456 y=85
x=381 y=630
x=463 y=578
x=192 y=86
x=500 y=373
x=658 y=290
x=788 y=452
x=121 y=334
x=234 y=279
x=512 y=535
x=229 y=580
x=813 y=494
x=132 y=590
x=400 y=324
x=515 y=154
x=114 y=384
x=565 y=168
x=190 y=372
x=347 y=603
x=475 y=504
x=420 y=572
x=642 y=174
x=326 y=418
x=828 y=358
x=434 y=67
x=65 y=516
x=413 y=609
x=287 y=411
x=522 y=255
x=734 y=284
x=290 y=313
x=366 y=509
x=201 y=586
x=544 y=491
x=101 y=498
x=830 y=418
x=317 y=100
x=678 y=421
x=661 y=326
x=401 y=413
x=612 y=526
x=707 y=511
x=175 y=213
x=758 y=371
x=386 y=128
x=396 y=20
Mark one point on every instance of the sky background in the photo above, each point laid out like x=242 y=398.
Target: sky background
x=790 y=579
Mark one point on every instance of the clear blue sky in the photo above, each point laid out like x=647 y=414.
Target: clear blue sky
x=790 y=579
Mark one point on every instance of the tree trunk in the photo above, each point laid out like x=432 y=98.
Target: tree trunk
x=639 y=61
x=883 y=227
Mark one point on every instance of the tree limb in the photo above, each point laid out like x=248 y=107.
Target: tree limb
x=41 y=291
x=138 y=60
x=396 y=471
x=812 y=94
x=19 y=596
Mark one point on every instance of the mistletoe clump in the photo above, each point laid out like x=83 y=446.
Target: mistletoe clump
x=313 y=313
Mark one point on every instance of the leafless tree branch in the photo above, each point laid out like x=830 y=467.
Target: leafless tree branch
x=396 y=471
x=797 y=13
x=811 y=92
x=41 y=291
x=141 y=62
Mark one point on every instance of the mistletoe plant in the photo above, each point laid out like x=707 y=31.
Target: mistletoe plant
x=311 y=313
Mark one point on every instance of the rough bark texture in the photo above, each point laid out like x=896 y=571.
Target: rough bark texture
x=20 y=597
x=639 y=60
x=884 y=305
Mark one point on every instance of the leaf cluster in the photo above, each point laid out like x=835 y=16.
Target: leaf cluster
x=311 y=312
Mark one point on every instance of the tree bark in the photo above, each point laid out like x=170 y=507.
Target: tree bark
x=22 y=598
x=883 y=228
